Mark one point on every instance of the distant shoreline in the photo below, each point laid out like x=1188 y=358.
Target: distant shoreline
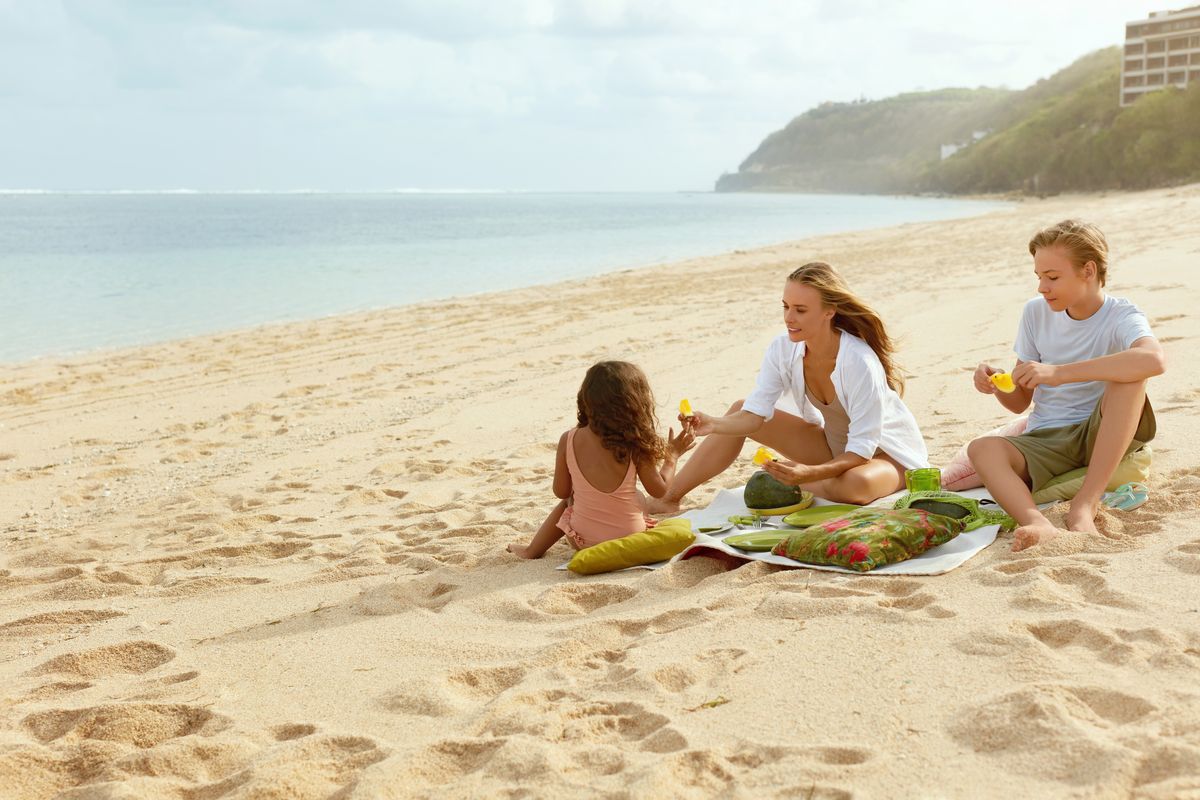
x=135 y=287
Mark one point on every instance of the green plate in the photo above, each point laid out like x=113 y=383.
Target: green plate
x=814 y=515
x=757 y=541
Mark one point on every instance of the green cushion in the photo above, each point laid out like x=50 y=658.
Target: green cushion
x=1133 y=467
x=870 y=537
x=665 y=540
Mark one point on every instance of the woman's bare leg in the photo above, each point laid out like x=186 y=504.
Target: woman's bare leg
x=546 y=535
x=787 y=434
x=863 y=484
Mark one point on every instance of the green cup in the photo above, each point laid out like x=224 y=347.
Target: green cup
x=926 y=479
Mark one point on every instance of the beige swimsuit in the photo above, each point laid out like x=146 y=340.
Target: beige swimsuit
x=837 y=422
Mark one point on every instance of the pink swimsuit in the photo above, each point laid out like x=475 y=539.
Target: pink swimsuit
x=594 y=516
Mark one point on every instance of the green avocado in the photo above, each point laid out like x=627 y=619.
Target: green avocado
x=770 y=497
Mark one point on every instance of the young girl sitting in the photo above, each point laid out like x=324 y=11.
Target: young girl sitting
x=600 y=461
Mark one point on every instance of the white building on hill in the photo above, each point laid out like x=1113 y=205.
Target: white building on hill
x=1162 y=50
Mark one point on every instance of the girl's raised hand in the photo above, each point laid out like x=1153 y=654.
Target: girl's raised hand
x=678 y=445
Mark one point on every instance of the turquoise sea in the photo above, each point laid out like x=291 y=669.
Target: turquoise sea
x=86 y=271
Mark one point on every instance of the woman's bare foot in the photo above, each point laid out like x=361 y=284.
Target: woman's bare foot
x=1027 y=536
x=521 y=551
x=661 y=507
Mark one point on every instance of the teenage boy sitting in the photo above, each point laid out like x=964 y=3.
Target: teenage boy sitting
x=1083 y=359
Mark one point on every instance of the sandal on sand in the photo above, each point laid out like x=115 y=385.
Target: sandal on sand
x=1126 y=497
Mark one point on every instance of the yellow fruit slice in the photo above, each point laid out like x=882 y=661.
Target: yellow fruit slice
x=1004 y=382
x=762 y=455
x=685 y=407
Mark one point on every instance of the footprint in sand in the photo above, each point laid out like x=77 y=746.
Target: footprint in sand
x=1017 y=572
x=485 y=682
x=417 y=593
x=292 y=730
x=1080 y=724
x=708 y=772
x=189 y=587
x=325 y=765
x=1168 y=770
x=140 y=724
x=49 y=691
x=448 y=761
x=129 y=657
x=674 y=677
x=922 y=602
x=421 y=697
x=1066 y=588
x=1065 y=633
x=55 y=621
x=570 y=720
x=577 y=599
x=1185 y=558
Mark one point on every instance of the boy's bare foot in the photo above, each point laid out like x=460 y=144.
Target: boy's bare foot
x=1027 y=536
x=521 y=551
x=1083 y=519
x=661 y=506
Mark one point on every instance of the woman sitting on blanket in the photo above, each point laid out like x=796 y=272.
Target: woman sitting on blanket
x=854 y=437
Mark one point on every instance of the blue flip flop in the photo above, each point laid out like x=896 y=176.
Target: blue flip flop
x=1127 y=496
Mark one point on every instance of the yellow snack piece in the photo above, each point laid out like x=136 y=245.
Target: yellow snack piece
x=762 y=455
x=1004 y=382
x=685 y=407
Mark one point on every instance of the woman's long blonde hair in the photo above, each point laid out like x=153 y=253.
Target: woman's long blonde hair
x=852 y=315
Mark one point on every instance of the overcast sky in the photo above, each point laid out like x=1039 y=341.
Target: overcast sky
x=477 y=94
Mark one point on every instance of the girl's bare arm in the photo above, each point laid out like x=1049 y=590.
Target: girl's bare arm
x=562 y=475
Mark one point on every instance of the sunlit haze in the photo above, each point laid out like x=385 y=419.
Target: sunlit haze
x=523 y=95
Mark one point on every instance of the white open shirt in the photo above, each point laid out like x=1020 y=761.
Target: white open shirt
x=879 y=420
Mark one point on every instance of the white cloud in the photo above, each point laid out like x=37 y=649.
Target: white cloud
x=556 y=94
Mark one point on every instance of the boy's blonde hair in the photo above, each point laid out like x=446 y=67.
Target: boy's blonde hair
x=1083 y=242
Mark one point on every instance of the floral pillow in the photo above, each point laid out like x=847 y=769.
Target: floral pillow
x=870 y=537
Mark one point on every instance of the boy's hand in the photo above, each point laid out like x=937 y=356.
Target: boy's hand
x=1032 y=374
x=983 y=379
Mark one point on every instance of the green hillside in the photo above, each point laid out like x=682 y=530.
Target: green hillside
x=1066 y=132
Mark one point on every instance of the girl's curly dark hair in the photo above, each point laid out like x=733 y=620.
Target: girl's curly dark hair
x=616 y=403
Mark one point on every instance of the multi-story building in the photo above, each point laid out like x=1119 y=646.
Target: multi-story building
x=1161 y=51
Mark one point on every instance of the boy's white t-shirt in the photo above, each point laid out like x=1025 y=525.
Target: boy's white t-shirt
x=1053 y=337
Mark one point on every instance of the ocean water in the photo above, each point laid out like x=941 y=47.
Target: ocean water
x=86 y=271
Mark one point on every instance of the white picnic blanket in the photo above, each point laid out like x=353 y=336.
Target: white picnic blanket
x=932 y=562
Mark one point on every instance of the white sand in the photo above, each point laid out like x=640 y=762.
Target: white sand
x=271 y=563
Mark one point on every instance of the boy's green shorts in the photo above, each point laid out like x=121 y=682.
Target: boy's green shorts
x=1050 y=452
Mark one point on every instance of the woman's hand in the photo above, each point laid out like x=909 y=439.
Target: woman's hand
x=678 y=445
x=788 y=473
x=698 y=424
x=1032 y=374
x=983 y=379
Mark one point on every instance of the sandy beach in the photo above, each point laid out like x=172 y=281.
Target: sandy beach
x=270 y=563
